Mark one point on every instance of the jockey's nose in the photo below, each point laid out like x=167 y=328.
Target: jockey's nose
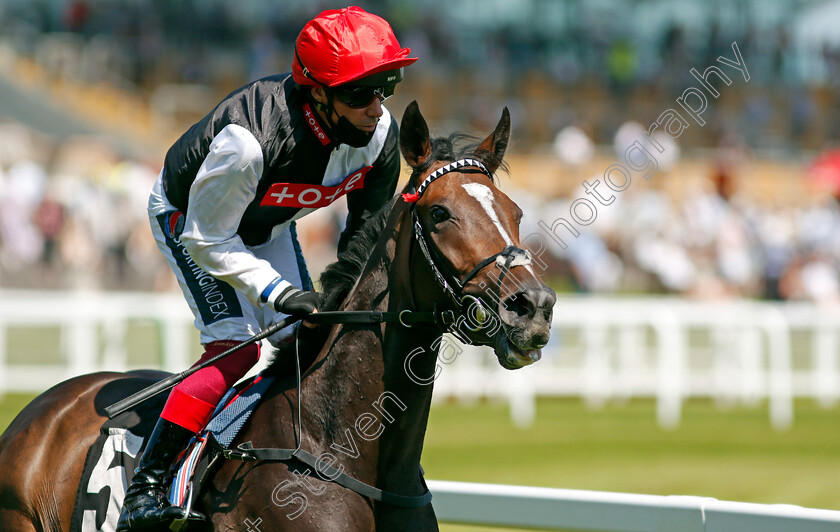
x=374 y=108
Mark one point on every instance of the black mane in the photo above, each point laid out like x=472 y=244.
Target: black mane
x=339 y=277
x=458 y=146
x=336 y=282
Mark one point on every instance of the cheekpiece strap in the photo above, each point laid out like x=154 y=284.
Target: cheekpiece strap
x=451 y=167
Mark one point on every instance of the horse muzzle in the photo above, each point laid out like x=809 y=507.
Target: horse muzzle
x=526 y=326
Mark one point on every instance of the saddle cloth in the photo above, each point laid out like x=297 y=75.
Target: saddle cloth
x=230 y=416
x=111 y=460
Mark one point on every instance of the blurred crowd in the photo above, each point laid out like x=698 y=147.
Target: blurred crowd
x=72 y=213
x=74 y=216
x=710 y=246
x=623 y=43
x=715 y=239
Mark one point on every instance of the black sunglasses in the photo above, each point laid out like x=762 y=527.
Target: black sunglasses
x=359 y=96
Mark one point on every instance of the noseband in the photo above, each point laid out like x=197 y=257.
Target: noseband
x=446 y=276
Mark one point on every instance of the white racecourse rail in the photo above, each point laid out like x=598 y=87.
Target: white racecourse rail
x=561 y=509
x=601 y=349
x=605 y=349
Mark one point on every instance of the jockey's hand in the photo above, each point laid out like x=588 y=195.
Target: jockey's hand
x=296 y=301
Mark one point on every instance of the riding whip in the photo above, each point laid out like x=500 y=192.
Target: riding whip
x=405 y=318
x=170 y=382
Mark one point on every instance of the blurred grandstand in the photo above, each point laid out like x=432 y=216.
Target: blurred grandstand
x=92 y=92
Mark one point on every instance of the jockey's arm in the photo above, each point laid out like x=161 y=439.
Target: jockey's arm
x=224 y=186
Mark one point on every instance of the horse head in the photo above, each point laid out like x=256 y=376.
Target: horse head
x=468 y=231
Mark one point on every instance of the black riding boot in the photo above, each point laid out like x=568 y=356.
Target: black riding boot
x=146 y=504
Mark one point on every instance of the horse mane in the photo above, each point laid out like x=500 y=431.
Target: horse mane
x=339 y=277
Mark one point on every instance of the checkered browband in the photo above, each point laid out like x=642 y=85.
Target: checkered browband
x=451 y=167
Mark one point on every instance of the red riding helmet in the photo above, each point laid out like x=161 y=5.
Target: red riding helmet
x=343 y=45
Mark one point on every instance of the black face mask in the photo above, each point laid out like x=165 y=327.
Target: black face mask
x=346 y=133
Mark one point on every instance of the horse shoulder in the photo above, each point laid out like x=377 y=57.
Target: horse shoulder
x=281 y=496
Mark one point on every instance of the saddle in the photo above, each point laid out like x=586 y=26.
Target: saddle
x=230 y=416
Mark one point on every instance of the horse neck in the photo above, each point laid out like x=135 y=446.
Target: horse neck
x=365 y=372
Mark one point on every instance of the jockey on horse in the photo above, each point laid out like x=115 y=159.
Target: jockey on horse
x=223 y=210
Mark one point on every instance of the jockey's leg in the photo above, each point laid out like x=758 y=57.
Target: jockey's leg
x=192 y=401
x=189 y=407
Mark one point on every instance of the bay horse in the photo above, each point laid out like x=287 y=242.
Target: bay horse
x=448 y=243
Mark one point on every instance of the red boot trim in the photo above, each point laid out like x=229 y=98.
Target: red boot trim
x=187 y=411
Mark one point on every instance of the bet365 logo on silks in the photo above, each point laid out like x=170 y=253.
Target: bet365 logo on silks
x=301 y=195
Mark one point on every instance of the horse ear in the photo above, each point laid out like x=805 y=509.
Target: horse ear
x=414 y=136
x=497 y=142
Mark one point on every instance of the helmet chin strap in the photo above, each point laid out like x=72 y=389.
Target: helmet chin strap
x=344 y=131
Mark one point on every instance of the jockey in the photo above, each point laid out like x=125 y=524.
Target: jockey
x=223 y=210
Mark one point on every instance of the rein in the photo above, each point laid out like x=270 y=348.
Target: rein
x=406 y=318
x=452 y=285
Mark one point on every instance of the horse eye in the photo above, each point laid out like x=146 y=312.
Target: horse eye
x=438 y=214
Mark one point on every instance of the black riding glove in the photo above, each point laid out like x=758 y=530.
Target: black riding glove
x=296 y=301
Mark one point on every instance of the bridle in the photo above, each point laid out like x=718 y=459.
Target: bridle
x=447 y=277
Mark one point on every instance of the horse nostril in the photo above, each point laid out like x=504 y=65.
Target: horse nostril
x=520 y=304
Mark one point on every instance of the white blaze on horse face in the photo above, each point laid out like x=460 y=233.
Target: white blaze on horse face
x=484 y=195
